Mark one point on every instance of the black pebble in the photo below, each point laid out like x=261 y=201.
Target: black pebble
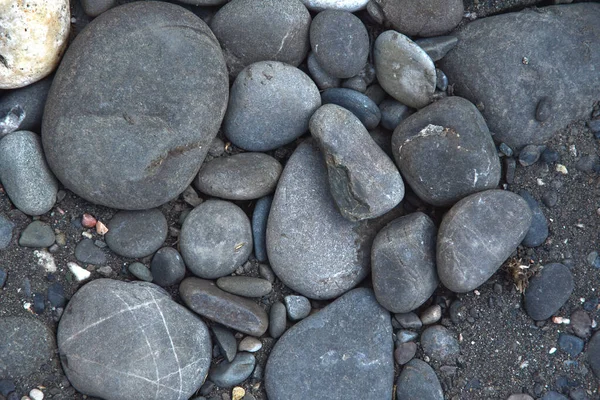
x=38 y=303
x=56 y=295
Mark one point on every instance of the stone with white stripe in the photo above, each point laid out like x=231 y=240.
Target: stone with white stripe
x=121 y=340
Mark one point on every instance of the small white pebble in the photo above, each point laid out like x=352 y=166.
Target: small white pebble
x=477 y=293
x=573 y=150
x=562 y=169
x=79 y=273
x=540 y=182
x=594 y=324
x=472 y=342
x=25 y=398
x=524 y=364
x=73 y=20
x=26 y=305
x=552 y=350
x=87 y=235
x=36 y=394
x=561 y=320
x=582 y=300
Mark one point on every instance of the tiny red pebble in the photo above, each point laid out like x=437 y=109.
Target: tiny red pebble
x=87 y=221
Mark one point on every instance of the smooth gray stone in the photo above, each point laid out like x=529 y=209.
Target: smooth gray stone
x=538 y=232
x=250 y=344
x=121 y=340
x=226 y=342
x=392 y=113
x=136 y=234
x=396 y=55
x=376 y=93
x=405 y=336
x=554 y=396
x=355 y=83
x=319 y=75
x=25 y=175
x=244 y=176
x=364 y=182
x=93 y=8
x=439 y=343
x=277 y=320
x=512 y=62
x=205 y=298
x=431 y=314
x=118 y=129
x=418 y=381
x=593 y=354
x=88 y=253
x=6 y=231
x=340 y=42
x=260 y=216
x=37 y=234
x=270 y=105
x=345 y=351
x=403 y=263
x=167 y=267
x=359 y=104
x=262 y=30
x=445 y=152
x=215 y=239
x=245 y=286
x=31 y=99
x=27 y=344
x=422 y=17
x=477 y=235
x=548 y=291
x=409 y=320
x=312 y=248
x=437 y=47
x=229 y=374
x=383 y=138
x=405 y=352
x=298 y=307
x=140 y=271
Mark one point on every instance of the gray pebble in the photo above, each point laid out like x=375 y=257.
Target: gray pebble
x=359 y=104
x=548 y=291
x=383 y=138
x=226 y=341
x=319 y=75
x=250 y=344
x=376 y=93
x=572 y=345
x=93 y=8
x=88 y=253
x=554 y=396
x=581 y=324
x=298 y=307
x=228 y=374
x=3 y=276
x=538 y=231
x=140 y=271
x=593 y=354
x=6 y=231
x=405 y=352
x=440 y=344
x=392 y=113
x=277 y=320
x=31 y=100
x=266 y=272
x=356 y=83
x=404 y=336
x=136 y=234
x=437 y=47
x=245 y=286
x=37 y=234
x=418 y=381
x=167 y=267
x=530 y=155
x=587 y=163
x=260 y=216
x=441 y=80
x=510 y=166
x=431 y=315
x=56 y=295
x=409 y=320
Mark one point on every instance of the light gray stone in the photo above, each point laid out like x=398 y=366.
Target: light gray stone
x=345 y=5
x=136 y=234
x=37 y=234
x=245 y=286
x=298 y=307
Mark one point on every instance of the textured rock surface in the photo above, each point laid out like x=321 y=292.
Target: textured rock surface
x=477 y=235
x=345 y=5
x=114 y=92
x=342 y=352
x=311 y=247
x=136 y=234
x=418 y=381
x=31 y=99
x=548 y=291
x=513 y=62
x=445 y=152
x=440 y=344
x=122 y=340
x=34 y=35
x=403 y=263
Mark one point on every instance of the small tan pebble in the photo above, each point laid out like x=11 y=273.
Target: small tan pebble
x=88 y=221
x=238 y=393
x=61 y=239
x=87 y=235
x=36 y=394
x=101 y=229
x=561 y=320
x=562 y=169
x=250 y=344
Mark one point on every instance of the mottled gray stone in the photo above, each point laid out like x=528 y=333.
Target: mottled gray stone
x=548 y=291
x=445 y=152
x=119 y=128
x=136 y=234
x=262 y=30
x=364 y=182
x=120 y=340
x=238 y=313
x=359 y=104
x=270 y=105
x=298 y=307
x=477 y=235
x=215 y=239
x=340 y=42
x=418 y=381
x=37 y=234
x=26 y=345
x=422 y=17
x=392 y=113
x=246 y=286
x=140 y=271
x=88 y=253
x=311 y=247
x=538 y=231
x=244 y=176
x=437 y=47
x=228 y=374
x=31 y=99
x=167 y=267
x=593 y=354
x=512 y=62
x=397 y=56
x=319 y=75
x=344 y=351
x=25 y=175
x=440 y=344
x=403 y=263
x=6 y=231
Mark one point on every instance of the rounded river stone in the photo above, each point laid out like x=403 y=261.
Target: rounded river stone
x=119 y=340
x=136 y=234
x=477 y=235
x=135 y=103
x=345 y=5
x=548 y=291
x=269 y=106
x=418 y=381
x=216 y=238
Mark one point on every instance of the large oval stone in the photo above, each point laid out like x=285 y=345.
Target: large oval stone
x=445 y=152
x=477 y=235
x=121 y=340
x=312 y=248
x=342 y=352
x=134 y=105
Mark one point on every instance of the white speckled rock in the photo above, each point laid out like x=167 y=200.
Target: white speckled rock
x=346 y=5
x=33 y=35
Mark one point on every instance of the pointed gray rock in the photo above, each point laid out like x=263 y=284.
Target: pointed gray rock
x=345 y=351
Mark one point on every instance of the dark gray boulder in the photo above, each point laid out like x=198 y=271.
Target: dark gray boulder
x=403 y=263
x=418 y=381
x=548 y=291
x=515 y=63
x=121 y=340
x=262 y=30
x=477 y=235
x=136 y=234
x=120 y=129
x=445 y=152
x=345 y=351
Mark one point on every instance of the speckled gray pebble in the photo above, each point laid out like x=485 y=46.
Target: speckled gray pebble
x=245 y=286
x=140 y=271
x=260 y=216
x=440 y=344
x=226 y=341
x=37 y=234
x=392 y=113
x=409 y=320
x=167 y=267
x=405 y=352
x=538 y=231
x=25 y=175
x=215 y=239
x=136 y=234
x=6 y=231
x=277 y=320
x=418 y=381
x=437 y=47
x=431 y=314
x=548 y=291
x=87 y=252
x=298 y=307
x=359 y=104
x=228 y=374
